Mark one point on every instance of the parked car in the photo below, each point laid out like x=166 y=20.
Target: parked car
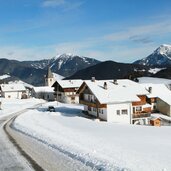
x=51 y=109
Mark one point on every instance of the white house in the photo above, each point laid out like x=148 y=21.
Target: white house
x=121 y=101
x=44 y=92
x=65 y=90
x=13 y=91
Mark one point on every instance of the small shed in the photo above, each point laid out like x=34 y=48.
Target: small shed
x=155 y=121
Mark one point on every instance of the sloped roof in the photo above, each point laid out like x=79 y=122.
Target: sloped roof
x=160 y=91
x=12 y=87
x=43 y=89
x=70 y=83
x=124 y=91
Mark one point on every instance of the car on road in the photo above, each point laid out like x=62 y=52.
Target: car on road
x=51 y=109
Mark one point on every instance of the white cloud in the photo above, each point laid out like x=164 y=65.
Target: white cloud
x=65 y=4
x=22 y=53
x=143 y=30
x=53 y=3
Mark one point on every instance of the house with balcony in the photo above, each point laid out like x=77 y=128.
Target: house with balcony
x=159 y=97
x=65 y=90
x=122 y=101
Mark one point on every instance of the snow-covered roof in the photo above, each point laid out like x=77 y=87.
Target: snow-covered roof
x=160 y=91
x=124 y=91
x=21 y=82
x=153 y=118
x=146 y=105
x=43 y=89
x=12 y=87
x=70 y=83
x=161 y=116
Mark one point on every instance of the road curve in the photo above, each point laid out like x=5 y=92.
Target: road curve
x=46 y=157
x=12 y=156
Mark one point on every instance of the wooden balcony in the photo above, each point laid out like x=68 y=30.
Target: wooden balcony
x=92 y=104
x=141 y=115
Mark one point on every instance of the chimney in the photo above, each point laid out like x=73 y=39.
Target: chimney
x=93 y=79
x=115 y=82
x=150 y=89
x=105 y=86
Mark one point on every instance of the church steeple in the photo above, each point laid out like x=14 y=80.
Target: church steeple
x=49 y=80
x=49 y=73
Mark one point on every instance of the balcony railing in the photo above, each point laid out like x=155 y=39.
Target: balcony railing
x=142 y=115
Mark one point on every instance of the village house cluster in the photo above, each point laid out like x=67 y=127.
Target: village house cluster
x=122 y=100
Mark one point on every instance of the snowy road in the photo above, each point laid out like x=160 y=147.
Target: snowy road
x=10 y=159
x=32 y=154
x=47 y=157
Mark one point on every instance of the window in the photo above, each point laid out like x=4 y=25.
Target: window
x=101 y=111
x=94 y=109
x=89 y=98
x=138 y=108
x=118 y=112
x=124 y=112
x=72 y=98
x=89 y=108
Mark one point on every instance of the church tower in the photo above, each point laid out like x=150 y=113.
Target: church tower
x=49 y=80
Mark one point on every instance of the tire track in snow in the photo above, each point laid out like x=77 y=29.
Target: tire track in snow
x=33 y=163
x=94 y=165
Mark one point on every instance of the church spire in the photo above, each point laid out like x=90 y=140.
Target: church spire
x=49 y=73
x=49 y=80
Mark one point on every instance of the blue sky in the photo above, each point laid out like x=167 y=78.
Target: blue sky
x=119 y=30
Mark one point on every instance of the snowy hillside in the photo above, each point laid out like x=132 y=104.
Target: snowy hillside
x=4 y=76
x=160 y=57
x=99 y=145
x=58 y=77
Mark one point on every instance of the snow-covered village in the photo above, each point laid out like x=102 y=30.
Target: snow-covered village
x=117 y=124
x=85 y=85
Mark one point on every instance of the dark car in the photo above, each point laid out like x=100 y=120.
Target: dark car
x=51 y=109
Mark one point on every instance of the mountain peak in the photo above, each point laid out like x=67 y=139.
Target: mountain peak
x=161 y=57
x=163 y=49
x=64 y=56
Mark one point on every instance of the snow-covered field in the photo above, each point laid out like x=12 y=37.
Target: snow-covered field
x=109 y=146
x=155 y=70
x=154 y=80
x=9 y=106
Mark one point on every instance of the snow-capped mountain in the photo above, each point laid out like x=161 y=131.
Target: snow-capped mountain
x=33 y=72
x=160 y=57
x=64 y=64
